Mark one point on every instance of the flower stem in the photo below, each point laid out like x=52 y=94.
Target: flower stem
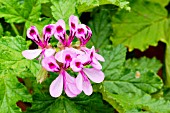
x=24 y=32
x=14 y=28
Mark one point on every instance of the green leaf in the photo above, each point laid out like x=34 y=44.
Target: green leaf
x=44 y=103
x=62 y=9
x=144 y=64
x=20 y=11
x=121 y=79
x=85 y=5
x=11 y=91
x=11 y=57
x=114 y=59
x=162 y=2
x=144 y=25
x=101 y=29
x=143 y=102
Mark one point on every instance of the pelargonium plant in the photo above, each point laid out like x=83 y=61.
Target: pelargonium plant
x=84 y=62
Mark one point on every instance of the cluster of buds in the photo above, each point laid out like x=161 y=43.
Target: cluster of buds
x=77 y=58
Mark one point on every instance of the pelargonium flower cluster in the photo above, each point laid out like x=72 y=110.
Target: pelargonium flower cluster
x=79 y=59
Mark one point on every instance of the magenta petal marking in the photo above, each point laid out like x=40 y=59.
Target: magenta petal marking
x=76 y=65
x=56 y=86
x=31 y=54
x=73 y=22
x=49 y=63
x=32 y=33
x=48 y=31
x=93 y=74
x=60 y=32
x=49 y=52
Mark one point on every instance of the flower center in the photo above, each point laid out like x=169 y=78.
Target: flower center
x=48 y=30
x=73 y=25
x=51 y=65
x=68 y=58
x=81 y=31
x=32 y=32
x=59 y=29
x=78 y=64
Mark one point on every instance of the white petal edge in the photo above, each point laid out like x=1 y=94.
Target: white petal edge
x=31 y=54
x=49 y=52
x=56 y=86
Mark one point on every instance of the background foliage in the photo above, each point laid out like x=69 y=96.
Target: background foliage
x=130 y=85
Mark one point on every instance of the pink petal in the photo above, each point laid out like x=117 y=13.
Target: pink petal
x=60 y=31
x=76 y=65
x=71 y=82
x=58 y=56
x=32 y=32
x=79 y=82
x=48 y=31
x=56 y=86
x=96 y=64
x=49 y=63
x=31 y=54
x=99 y=57
x=93 y=74
x=49 y=52
x=69 y=93
x=87 y=88
x=73 y=22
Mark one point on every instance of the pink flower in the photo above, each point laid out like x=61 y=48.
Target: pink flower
x=83 y=33
x=44 y=50
x=63 y=80
x=60 y=30
x=82 y=81
x=65 y=56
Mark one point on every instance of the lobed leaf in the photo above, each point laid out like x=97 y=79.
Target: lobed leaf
x=123 y=81
x=143 y=63
x=101 y=29
x=85 y=5
x=144 y=25
x=11 y=91
x=44 y=103
x=11 y=57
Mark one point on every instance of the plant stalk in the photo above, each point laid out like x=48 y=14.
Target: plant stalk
x=14 y=28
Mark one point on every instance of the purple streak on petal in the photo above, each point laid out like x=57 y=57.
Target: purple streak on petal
x=93 y=74
x=60 y=32
x=48 y=31
x=56 y=86
x=32 y=33
x=31 y=54
x=73 y=22
x=49 y=52
x=49 y=63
